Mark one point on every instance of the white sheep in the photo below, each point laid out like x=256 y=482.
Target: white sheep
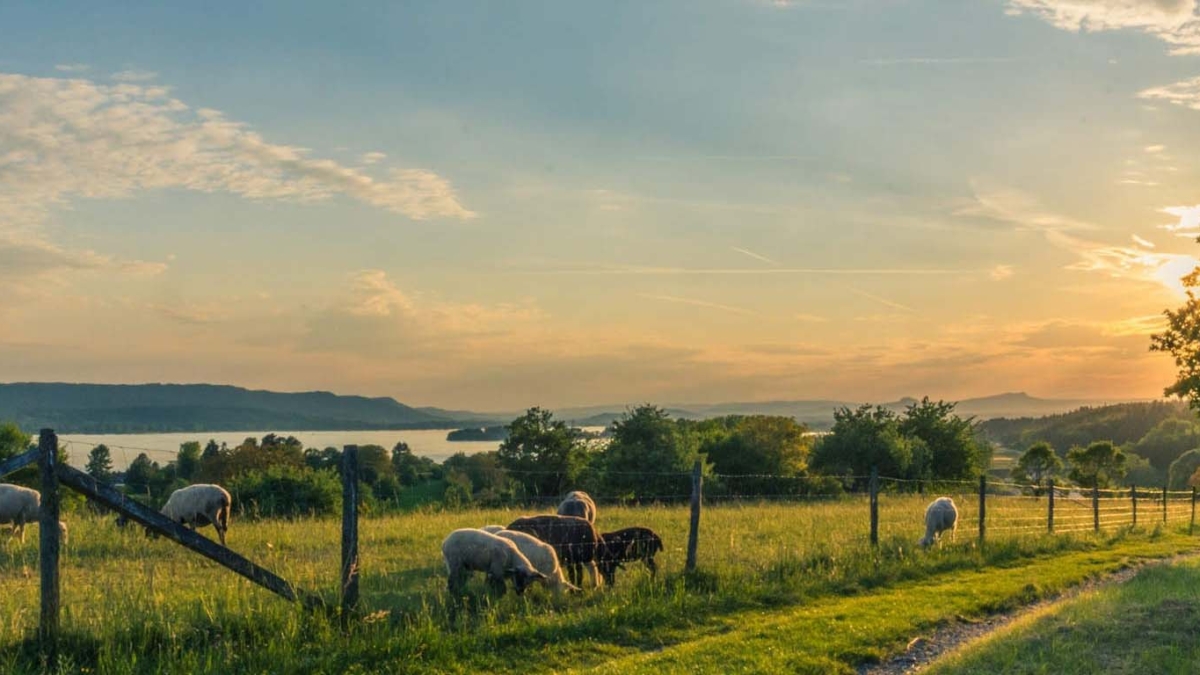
x=198 y=505
x=469 y=550
x=492 y=529
x=20 y=505
x=543 y=558
x=940 y=515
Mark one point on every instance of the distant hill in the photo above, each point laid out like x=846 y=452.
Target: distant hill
x=1121 y=423
x=818 y=414
x=146 y=408
x=109 y=408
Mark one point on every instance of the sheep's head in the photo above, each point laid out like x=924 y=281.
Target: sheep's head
x=522 y=579
x=925 y=542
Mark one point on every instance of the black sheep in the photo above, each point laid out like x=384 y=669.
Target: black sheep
x=628 y=545
x=574 y=540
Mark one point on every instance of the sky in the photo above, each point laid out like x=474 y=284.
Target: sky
x=488 y=206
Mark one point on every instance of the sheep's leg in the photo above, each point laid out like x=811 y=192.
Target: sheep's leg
x=594 y=572
x=651 y=565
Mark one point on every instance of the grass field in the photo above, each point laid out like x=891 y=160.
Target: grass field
x=1147 y=626
x=768 y=573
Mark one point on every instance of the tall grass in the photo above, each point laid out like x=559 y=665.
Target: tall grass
x=138 y=606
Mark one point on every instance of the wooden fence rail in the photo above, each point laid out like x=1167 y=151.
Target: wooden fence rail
x=19 y=462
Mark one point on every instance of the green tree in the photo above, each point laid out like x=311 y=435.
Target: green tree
x=99 y=464
x=650 y=455
x=950 y=449
x=139 y=475
x=1182 y=469
x=1181 y=339
x=374 y=464
x=1168 y=440
x=187 y=462
x=407 y=467
x=1038 y=464
x=1100 y=464
x=861 y=439
x=543 y=454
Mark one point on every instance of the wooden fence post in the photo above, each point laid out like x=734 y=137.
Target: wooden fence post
x=874 y=492
x=349 y=532
x=1192 y=525
x=1164 y=503
x=48 y=537
x=1133 y=492
x=982 y=506
x=1050 y=509
x=1096 y=506
x=694 y=529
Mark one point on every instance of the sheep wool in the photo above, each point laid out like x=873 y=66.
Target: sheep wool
x=19 y=505
x=579 y=504
x=940 y=516
x=200 y=504
x=542 y=556
x=468 y=550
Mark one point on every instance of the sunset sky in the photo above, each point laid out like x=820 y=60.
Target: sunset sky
x=491 y=205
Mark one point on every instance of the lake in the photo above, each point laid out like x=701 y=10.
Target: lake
x=163 y=448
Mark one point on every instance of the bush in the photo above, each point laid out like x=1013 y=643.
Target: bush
x=286 y=491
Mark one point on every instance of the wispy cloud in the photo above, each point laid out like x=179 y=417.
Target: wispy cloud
x=1154 y=149
x=72 y=67
x=1141 y=242
x=1001 y=272
x=1189 y=219
x=1172 y=21
x=1018 y=209
x=936 y=60
x=134 y=76
x=1136 y=262
x=698 y=303
x=881 y=300
x=1184 y=93
x=754 y=255
x=372 y=157
x=601 y=269
x=64 y=138
x=810 y=318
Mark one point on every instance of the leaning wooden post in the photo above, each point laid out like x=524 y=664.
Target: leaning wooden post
x=349 y=531
x=1133 y=494
x=1050 y=509
x=694 y=529
x=1096 y=506
x=874 y=492
x=982 y=506
x=1164 y=503
x=48 y=537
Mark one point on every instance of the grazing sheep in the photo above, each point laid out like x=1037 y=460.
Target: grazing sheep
x=940 y=515
x=469 y=550
x=493 y=529
x=20 y=505
x=628 y=545
x=199 y=505
x=579 y=504
x=542 y=556
x=574 y=540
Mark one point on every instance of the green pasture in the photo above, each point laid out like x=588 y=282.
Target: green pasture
x=133 y=605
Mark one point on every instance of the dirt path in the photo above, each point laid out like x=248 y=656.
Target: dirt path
x=925 y=649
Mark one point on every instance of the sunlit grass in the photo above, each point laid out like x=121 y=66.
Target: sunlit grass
x=137 y=605
x=1145 y=626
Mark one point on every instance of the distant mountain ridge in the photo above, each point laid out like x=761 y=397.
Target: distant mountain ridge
x=146 y=408
x=118 y=408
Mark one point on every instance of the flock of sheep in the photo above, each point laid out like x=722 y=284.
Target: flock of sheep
x=531 y=548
